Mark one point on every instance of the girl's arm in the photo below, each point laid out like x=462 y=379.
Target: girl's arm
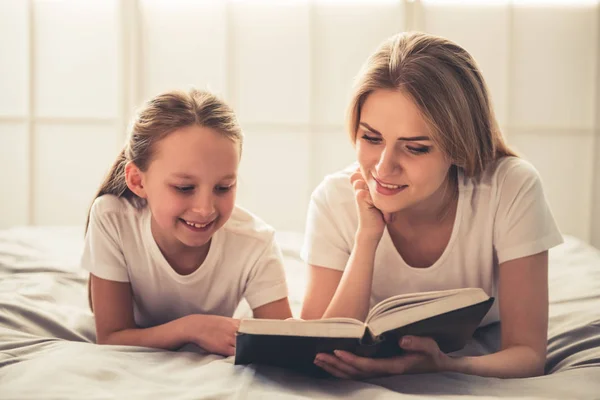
x=115 y=324
x=279 y=309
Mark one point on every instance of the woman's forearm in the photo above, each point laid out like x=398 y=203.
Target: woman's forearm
x=513 y=362
x=169 y=336
x=351 y=299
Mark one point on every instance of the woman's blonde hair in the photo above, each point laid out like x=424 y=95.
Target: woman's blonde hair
x=159 y=117
x=448 y=88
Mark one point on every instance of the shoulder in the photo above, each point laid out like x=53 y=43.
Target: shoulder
x=111 y=204
x=511 y=171
x=116 y=214
x=507 y=174
x=513 y=186
x=336 y=188
x=332 y=215
x=244 y=226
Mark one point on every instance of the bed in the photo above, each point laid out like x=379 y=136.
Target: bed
x=47 y=345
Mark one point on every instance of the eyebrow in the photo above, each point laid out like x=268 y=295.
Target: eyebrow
x=188 y=176
x=408 y=139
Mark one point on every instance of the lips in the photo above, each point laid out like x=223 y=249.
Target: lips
x=388 y=185
x=388 y=189
x=198 y=226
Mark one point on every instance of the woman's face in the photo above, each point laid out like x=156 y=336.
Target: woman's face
x=402 y=166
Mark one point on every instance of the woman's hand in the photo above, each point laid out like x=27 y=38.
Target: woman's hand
x=213 y=333
x=371 y=220
x=422 y=355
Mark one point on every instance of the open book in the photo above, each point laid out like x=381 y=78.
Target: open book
x=450 y=317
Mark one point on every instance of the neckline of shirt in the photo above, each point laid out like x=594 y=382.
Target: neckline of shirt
x=449 y=245
x=159 y=258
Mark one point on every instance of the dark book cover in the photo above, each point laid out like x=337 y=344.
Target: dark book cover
x=450 y=330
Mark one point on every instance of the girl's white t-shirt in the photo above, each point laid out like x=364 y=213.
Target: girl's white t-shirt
x=243 y=261
x=501 y=216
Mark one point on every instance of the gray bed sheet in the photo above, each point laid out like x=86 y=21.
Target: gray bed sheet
x=47 y=348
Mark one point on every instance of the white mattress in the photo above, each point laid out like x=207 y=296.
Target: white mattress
x=47 y=335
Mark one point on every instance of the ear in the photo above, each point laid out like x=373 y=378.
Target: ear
x=135 y=179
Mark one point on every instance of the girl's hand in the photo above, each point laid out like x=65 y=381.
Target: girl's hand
x=371 y=220
x=423 y=355
x=213 y=333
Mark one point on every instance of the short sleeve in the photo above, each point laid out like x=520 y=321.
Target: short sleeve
x=524 y=223
x=102 y=253
x=266 y=282
x=326 y=240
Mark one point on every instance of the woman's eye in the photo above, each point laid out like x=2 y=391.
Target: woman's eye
x=418 y=150
x=371 y=139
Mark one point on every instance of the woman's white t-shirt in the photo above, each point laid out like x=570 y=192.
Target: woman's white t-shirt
x=501 y=216
x=243 y=261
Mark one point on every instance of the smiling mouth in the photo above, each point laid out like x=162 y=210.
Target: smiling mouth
x=197 y=225
x=385 y=185
x=388 y=185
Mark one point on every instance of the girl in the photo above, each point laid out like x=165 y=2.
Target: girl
x=169 y=254
x=438 y=201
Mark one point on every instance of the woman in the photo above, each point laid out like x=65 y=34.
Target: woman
x=436 y=201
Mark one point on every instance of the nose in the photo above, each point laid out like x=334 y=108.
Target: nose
x=388 y=162
x=204 y=205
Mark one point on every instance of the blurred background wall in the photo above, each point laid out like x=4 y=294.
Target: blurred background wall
x=72 y=72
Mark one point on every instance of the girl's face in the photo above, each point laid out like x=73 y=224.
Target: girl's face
x=190 y=185
x=402 y=166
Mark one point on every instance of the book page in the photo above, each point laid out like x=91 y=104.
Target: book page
x=407 y=314
x=329 y=327
x=396 y=308
x=414 y=299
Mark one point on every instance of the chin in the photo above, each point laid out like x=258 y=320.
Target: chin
x=194 y=239
x=196 y=242
x=388 y=206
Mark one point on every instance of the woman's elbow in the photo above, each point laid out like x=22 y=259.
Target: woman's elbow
x=537 y=366
x=103 y=339
x=107 y=338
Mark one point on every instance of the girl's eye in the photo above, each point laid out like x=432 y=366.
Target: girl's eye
x=418 y=150
x=371 y=139
x=184 y=189
x=223 y=189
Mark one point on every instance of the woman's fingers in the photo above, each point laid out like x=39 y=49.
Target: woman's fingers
x=336 y=366
x=388 y=218
x=420 y=344
x=357 y=172
x=356 y=176
x=360 y=185
x=228 y=351
x=333 y=371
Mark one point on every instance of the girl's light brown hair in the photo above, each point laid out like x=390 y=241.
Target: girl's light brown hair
x=159 y=117
x=448 y=88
